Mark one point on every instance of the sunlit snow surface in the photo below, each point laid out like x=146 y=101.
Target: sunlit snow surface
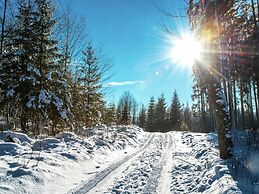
x=115 y=159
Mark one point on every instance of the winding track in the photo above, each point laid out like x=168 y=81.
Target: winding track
x=145 y=171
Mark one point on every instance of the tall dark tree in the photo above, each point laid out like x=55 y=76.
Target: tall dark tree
x=109 y=116
x=160 y=114
x=90 y=84
x=207 y=17
x=175 y=119
x=31 y=74
x=187 y=117
x=142 y=118
x=151 y=115
x=125 y=108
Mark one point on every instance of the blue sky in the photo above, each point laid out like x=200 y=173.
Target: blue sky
x=130 y=32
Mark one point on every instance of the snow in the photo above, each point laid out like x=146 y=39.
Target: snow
x=49 y=75
x=119 y=159
x=10 y=92
x=33 y=69
x=59 y=164
x=29 y=104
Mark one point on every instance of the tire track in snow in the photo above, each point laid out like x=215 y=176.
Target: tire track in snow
x=94 y=181
x=142 y=173
x=165 y=178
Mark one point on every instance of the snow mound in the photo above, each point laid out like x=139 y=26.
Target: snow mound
x=45 y=144
x=67 y=137
x=9 y=149
x=12 y=136
x=45 y=165
x=198 y=168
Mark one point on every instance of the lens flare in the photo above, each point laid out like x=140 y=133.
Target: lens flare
x=186 y=50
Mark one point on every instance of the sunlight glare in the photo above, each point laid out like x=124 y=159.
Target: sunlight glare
x=186 y=50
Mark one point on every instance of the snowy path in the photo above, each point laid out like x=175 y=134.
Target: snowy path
x=108 y=172
x=134 y=162
x=165 y=179
x=145 y=171
x=174 y=162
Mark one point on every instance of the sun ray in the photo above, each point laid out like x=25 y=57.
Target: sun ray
x=185 y=50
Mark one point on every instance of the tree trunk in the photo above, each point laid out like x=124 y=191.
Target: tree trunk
x=251 y=111
x=222 y=121
x=253 y=10
x=242 y=105
x=23 y=122
x=203 y=114
x=219 y=106
x=235 y=104
x=256 y=105
x=3 y=27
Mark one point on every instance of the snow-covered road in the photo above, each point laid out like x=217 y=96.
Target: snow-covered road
x=133 y=162
x=174 y=162
x=145 y=171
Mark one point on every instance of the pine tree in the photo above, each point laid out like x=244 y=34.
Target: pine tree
x=142 y=118
x=51 y=91
x=175 y=113
x=110 y=114
x=211 y=20
x=151 y=115
x=90 y=84
x=160 y=112
x=125 y=114
x=31 y=74
x=126 y=108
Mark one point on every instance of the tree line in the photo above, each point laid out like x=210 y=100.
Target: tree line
x=157 y=116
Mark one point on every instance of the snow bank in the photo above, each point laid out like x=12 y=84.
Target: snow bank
x=57 y=164
x=245 y=168
x=198 y=168
x=15 y=137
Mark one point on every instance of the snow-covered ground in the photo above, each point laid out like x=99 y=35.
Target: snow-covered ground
x=114 y=160
x=56 y=165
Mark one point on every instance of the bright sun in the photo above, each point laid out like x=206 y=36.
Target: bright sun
x=186 y=50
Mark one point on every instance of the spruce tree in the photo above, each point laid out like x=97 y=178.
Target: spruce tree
x=160 y=112
x=51 y=91
x=90 y=84
x=14 y=63
x=142 y=118
x=110 y=114
x=175 y=113
x=151 y=115
x=31 y=74
x=125 y=114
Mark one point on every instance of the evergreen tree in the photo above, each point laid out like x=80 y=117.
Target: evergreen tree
x=126 y=108
x=142 y=118
x=31 y=74
x=175 y=113
x=160 y=112
x=90 y=78
x=151 y=115
x=125 y=114
x=110 y=114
